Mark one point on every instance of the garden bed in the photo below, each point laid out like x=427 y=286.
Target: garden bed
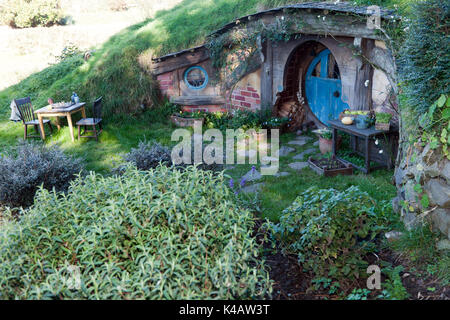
x=291 y=282
x=330 y=167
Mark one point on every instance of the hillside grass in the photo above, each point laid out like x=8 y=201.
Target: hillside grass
x=119 y=71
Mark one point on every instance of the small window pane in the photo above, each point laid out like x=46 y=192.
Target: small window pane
x=196 y=78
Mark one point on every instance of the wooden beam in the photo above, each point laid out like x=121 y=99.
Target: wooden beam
x=181 y=61
x=198 y=100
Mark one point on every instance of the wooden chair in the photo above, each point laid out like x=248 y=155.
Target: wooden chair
x=28 y=118
x=92 y=122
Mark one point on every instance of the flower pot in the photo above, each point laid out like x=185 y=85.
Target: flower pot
x=362 y=121
x=382 y=126
x=185 y=122
x=326 y=145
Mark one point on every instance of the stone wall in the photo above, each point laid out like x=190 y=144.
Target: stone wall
x=429 y=169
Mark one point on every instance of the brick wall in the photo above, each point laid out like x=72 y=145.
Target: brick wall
x=166 y=83
x=245 y=98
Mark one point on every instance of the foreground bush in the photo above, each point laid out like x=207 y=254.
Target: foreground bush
x=25 y=168
x=158 y=234
x=30 y=13
x=329 y=231
x=148 y=155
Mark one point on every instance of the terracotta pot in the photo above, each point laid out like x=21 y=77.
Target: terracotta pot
x=326 y=145
x=185 y=122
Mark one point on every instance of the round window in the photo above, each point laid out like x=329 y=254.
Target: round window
x=196 y=77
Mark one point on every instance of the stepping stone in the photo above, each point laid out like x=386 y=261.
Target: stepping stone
x=298 y=165
x=247 y=153
x=282 y=174
x=298 y=142
x=301 y=155
x=303 y=138
x=253 y=188
x=285 y=150
x=252 y=175
x=269 y=159
x=316 y=143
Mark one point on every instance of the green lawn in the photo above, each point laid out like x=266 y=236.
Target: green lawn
x=279 y=192
x=120 y=134
x=123 y=133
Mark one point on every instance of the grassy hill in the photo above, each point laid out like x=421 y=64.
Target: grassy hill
x=117 y=69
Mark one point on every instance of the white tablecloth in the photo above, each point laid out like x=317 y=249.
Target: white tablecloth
x=15 y=115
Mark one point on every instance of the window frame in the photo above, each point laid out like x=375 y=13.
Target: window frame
x=205 y=83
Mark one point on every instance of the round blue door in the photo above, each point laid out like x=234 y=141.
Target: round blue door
x=323 y=87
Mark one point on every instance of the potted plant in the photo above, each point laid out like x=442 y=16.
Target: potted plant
x=326 y=140
x=382 y=120
x=187 y=119
x=363 y=119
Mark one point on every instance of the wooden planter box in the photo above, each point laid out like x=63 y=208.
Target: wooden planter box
x=382 y=126
x=319 y=166
x=185 y=122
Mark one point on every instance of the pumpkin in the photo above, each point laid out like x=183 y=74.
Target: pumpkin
x=347 y=120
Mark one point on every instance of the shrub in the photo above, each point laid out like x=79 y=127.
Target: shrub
x=30 y=13
x=24 y=168
x=424 y=62
x=158 y=234
x=383 y=117
x=148 y=155
x=329 y=231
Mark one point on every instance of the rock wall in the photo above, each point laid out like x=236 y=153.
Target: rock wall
x=431 y=170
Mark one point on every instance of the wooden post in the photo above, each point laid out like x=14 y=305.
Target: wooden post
x=266 y=77
x=364 y=75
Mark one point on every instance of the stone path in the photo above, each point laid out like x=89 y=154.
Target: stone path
x=300 y=140
x=285 y=150
x=255 y=175
x=301 y=155
x=298 y=165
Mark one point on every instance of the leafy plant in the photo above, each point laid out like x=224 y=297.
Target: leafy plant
x=393 y=286
x=356 y=112
x=69 y=51
x=383 y=117
x=325 y=133
x=329 y=230
x=435 y=124
x=149 y=155
x=191 y=115
x=157 y=234
x=275 y=122
x=26 y=167
x=359 y=294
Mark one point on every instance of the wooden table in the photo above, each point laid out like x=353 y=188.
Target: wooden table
x=369 y=149
x=67 y=112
